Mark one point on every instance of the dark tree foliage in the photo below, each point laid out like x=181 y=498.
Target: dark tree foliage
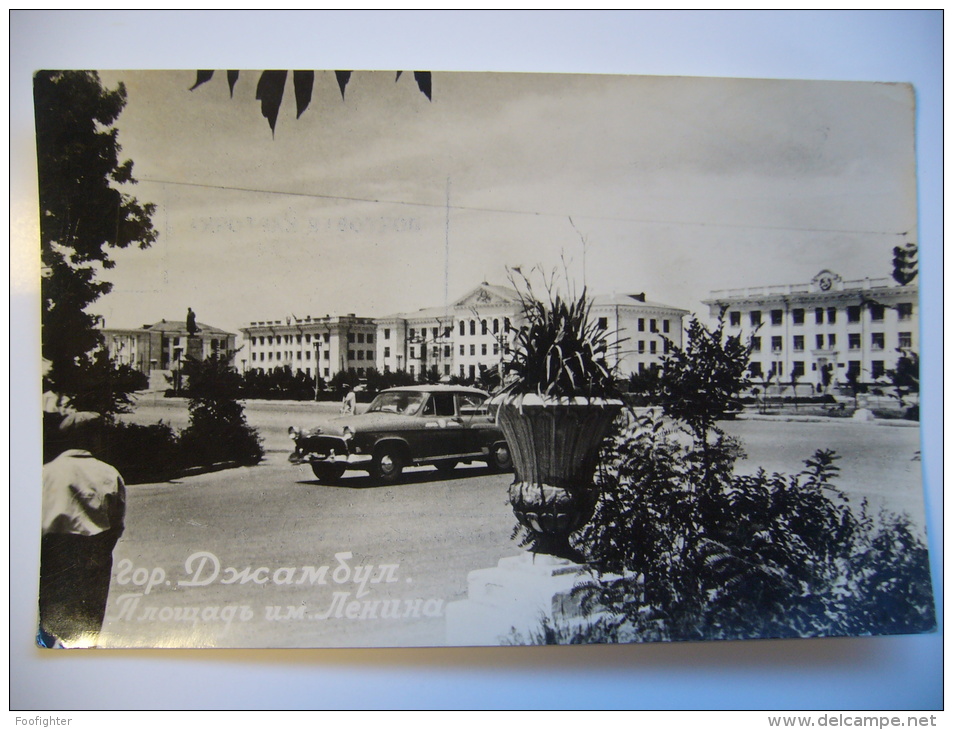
x=271 y=88
x=701 y=382
x=82 y=214
x=217 y=429
x=747 y=556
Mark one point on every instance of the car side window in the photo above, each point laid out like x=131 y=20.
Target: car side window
x=472 y=405
x=443 y=404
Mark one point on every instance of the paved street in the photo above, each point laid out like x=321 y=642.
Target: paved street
x=268 y=544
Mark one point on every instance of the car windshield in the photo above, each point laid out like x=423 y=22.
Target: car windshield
x=397 y=402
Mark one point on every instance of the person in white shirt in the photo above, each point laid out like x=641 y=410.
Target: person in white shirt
x=84 y=507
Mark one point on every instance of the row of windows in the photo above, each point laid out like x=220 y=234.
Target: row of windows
x=653 y=346
x=877 y=368
x=434 y=332
x=776 y=316
x=877 y=342
x=359 y=337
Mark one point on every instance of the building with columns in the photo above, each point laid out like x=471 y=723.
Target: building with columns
x=313 y=345
x=828 y=324
x=473 y=332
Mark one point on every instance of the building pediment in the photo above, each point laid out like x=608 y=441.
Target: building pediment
x=487 y=295
x=827 y=280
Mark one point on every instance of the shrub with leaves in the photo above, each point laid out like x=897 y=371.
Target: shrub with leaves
x=217 y=429
x=559 y=351
x=741 y=556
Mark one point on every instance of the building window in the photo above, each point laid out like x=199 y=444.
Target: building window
x=799 y=342
x=271 y=356
x=412 y=333
x=904 y=310
x=831 y=315
x=877 y=340
x=472 y=327
x=755 y=369
x=327 y=337
x=350 y=336
x=905 y=340
x=818 y=316
x=819 y=341
x=877 y=312
x=653 y=325
x=387 y=333
x=360 y=337
x=270 y=339
x=462 y=370
x=446 y=369
x=463 y=331
x=472 y=350
x=797 y=316
x=777 y=316
x=797 y=369
x=413 y=352
x=496 y=326
x=756 y=344
x=370 y=339
x=641 y=325
x=877 y=368
x=734 y=319
x=327 y=356
x=483 y=349
x=506 y=324
x=853 y=341
x=853 y=314
x=253 y=358
x=484 y=328
x=299 y=354
x=472 y=371
x=496 y=348
x=462 y=350
x=652 y=346
x=831 y=341
x=755 y=318
x=360 y=354
x=853 y=369
x=413 y=369
x=641 y=345
x=776 y=344
x=386 y=352
x=350 y=354
x=603 y=323
x=665 y=326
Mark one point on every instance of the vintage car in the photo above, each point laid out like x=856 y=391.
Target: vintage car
x=442 y=425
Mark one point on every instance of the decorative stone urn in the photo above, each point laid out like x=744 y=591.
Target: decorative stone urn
x=555 y=444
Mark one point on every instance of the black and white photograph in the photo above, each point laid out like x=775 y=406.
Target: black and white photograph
x=427 y=359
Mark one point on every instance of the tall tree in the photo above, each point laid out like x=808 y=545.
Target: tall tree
x=83 y=213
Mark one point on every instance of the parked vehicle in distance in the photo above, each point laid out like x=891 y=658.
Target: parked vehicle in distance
x=443 y=425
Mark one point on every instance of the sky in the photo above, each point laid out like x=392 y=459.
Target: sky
x=384 y=202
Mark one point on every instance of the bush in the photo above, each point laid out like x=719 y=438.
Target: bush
x=142 y=453
x=765 y=555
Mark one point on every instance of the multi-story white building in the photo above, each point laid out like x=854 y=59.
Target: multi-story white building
x=473 y=332
x=319 y=346
x=826 y=325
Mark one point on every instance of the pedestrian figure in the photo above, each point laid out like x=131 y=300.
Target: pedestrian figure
x=84 y=506
x=349 y=402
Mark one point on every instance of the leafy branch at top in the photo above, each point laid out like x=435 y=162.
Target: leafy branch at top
x=271 y=88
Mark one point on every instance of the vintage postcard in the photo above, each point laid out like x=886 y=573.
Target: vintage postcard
x=413 y=359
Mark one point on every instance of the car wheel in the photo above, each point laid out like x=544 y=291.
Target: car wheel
x=387 y=465
x=445 y=467
x=328 y=472
x=500 y=458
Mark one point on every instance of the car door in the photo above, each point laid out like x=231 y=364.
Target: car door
x=444 y=431
x=476 y=420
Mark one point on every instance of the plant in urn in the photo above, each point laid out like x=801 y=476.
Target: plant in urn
x=556 y=407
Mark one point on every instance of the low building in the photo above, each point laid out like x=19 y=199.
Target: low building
x=319 y=346
x=158 y=349
x=820 y=331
